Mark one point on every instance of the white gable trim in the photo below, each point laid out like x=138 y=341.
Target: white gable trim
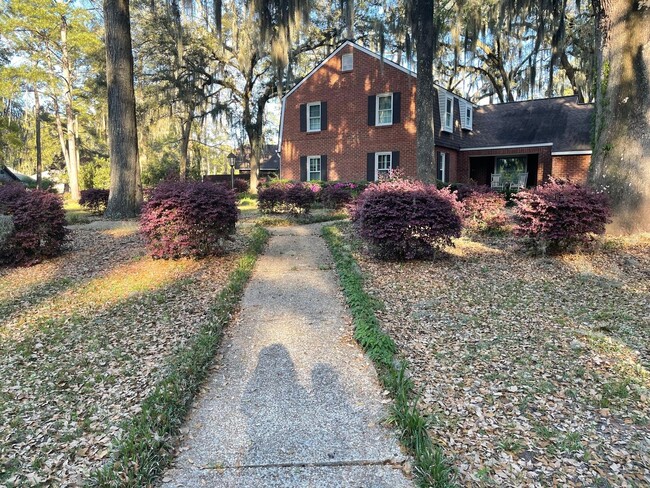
x=485 y=148
x=570 y=153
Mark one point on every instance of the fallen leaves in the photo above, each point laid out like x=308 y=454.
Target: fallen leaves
x=83 y=339
x=535 y=369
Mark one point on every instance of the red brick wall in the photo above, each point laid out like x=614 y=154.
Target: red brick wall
x=544 y=160
x=574 y=167
x=348 y=137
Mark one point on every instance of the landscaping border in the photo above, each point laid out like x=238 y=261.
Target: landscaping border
x=431 y=467
x=145 y=448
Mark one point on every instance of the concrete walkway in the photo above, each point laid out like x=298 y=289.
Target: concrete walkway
x=293 y=401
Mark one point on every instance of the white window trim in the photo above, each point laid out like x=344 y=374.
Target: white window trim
x=320 y=117
x=469 y=116
x=377 y=109
x=347 y=56
x=444 y=166
x=445 y=127
x=320 y=163
x=385 y=153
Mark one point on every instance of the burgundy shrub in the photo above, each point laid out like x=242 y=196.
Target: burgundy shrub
x=464 y=191
x=240 y=185
x=337 y=195
x=38 y=225
x=406 y=219
x=484 y=211
x=188 y=219
x=270 y=199
x=299 y=198
x=560 y=213
x=94 y=199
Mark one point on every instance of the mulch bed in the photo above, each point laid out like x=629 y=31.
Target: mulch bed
x=535 y=369
x=83 y=339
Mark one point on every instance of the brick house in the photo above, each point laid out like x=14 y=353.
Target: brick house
x=353 y=118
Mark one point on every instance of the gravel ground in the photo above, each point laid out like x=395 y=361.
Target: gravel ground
x=536 y=369
x=83 y=339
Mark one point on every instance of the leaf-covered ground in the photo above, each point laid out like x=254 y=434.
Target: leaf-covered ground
x=536 y=370
x=83 y=339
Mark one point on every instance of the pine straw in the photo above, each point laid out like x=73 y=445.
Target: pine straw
x=536 y=369
x=83 y=340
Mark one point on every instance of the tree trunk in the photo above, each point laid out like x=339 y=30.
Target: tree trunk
x=571 y=76
x=621 y=160
x=186 y=132
x=73 y=167
x=125 y=191
x=423 y=28
x=255 y=140
x=39 y=150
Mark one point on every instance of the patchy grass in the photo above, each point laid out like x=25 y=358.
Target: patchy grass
x=536 y=369
x=431 y=467
x=75 y=214
x=87 y=339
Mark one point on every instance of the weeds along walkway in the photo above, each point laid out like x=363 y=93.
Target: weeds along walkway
x=293 y=402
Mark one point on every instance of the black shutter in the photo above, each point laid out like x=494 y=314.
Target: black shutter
x=303 y=168
x=303 y=117
x=323 y=167
x=372 y=100
x=397 y=107
x=370 y=174
x=323 y=115
x=394 y=164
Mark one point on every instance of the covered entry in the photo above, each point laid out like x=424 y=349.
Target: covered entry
x=508 y=166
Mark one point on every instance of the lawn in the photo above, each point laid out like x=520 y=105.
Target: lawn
x=534 y=370
x=84 y=338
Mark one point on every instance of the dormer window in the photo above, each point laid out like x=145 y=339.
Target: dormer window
x=448 y=122
x=347 y=62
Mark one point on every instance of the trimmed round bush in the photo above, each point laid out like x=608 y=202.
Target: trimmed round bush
x=188 y=219
x=559 y=214
x=37 y=228
x=299 y=197
x=270 y=199
x=337 y=195
x=94 y=199
x=484 y=211
x=241 y=185
x=406 y=219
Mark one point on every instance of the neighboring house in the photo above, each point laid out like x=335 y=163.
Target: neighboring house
x=7 y=175
x=269 y=161
x=353 y=118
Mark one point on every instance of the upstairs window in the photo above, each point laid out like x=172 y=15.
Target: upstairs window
x=385 y=109
x=313 y=117
x=347 y=62
x=466 y=113
x=313 y=168
x=448 y=120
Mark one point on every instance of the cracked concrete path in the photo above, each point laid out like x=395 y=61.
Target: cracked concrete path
x=293 y=401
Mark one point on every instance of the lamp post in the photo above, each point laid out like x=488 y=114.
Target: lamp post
x=231 y=160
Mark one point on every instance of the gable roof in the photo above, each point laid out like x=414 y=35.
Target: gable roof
x=7 y=175
x=369 y=52
x=561 y=121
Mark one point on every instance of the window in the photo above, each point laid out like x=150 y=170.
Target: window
x=442 y=167
x=468 y=117
x=509 y=167
x=383 y=163
x=347 y=62
x=448 y=122
x=313 y=168
x=313 y=117
x=385 y=109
